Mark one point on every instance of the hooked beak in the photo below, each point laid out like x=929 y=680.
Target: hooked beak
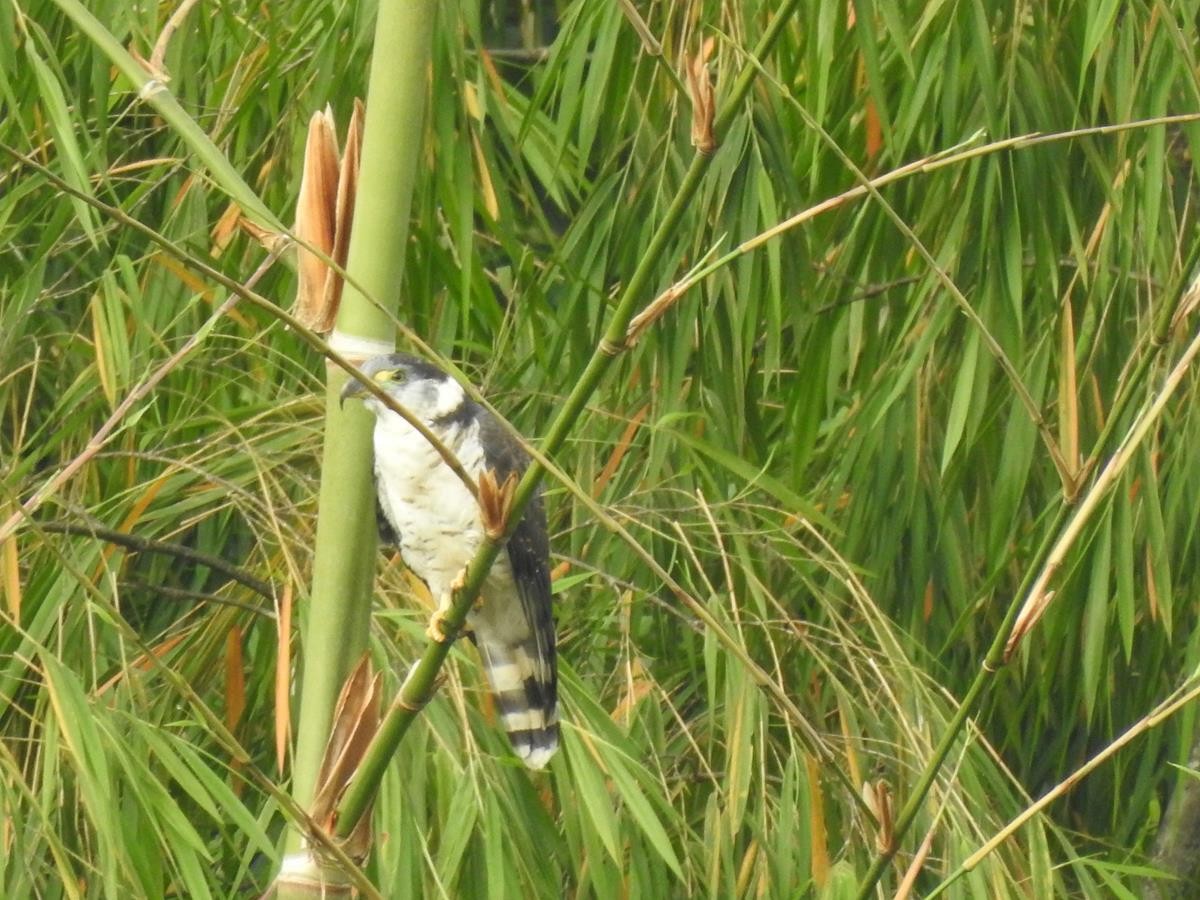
x=353 y=388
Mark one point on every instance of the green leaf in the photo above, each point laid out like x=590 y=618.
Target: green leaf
x=71 y=165
x=964 y=395
x=585 y=777
x=1156 y=540
x=459 y=823
x=631 y=794
x=1123 y=566
x=1096 y=615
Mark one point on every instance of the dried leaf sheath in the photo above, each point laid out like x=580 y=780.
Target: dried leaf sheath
x=324 y=213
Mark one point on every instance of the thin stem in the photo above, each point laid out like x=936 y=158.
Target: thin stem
x=146 y=545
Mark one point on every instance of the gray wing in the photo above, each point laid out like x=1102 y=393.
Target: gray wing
x=389 y=536
x=529 y=546
x=528 y=554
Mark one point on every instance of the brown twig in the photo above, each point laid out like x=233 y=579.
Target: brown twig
x=158 y=55
x=146 y=545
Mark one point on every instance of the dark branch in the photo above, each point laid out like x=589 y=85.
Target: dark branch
x=145 y=545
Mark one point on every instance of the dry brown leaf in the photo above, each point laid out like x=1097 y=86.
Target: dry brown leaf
x=878 y=798
x=355 y=722
x=619 y=451
x=270 y=240
x=143 y=662
x=283 y=677
x=235 y=678
x=495 y=500
x=655 y=310
x=817 y=827
x=10 y=577
x=225 y=229
x=316 y=220
x=1029 y=616
x=703 y=104
x=347 y=193
x=874 y=129
x=638 y=686
x=486 y=188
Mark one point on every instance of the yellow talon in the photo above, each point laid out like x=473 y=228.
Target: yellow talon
x=435 y=631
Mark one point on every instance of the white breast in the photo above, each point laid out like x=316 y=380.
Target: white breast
x=436 y=516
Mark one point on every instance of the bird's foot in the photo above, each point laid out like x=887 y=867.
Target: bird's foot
x=436 y=630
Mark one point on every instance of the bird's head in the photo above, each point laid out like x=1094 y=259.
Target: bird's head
x=420 y=387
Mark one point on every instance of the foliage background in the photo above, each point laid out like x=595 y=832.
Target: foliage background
x=815 y=443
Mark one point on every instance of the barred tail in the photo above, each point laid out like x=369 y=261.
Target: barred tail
x=524 y=683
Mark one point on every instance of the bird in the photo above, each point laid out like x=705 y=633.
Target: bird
x=425 y=509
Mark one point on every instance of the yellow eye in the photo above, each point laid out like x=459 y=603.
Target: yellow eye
x=384 y=376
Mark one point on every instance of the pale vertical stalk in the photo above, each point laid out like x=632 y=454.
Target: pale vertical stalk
x=334 y=630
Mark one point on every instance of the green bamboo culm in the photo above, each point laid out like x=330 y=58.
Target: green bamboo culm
x=335 y=625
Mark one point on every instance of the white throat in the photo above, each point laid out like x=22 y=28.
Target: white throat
x=449 y=397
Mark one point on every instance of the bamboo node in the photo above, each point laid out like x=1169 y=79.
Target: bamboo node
x=152 y=87
x=410 y=707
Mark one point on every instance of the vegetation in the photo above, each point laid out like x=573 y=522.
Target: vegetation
x=947 y=365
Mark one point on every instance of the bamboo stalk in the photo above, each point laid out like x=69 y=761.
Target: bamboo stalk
x=336 y=627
